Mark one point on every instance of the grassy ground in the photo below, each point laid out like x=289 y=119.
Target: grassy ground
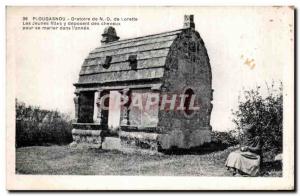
x=63 y=160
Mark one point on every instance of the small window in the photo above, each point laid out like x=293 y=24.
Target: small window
x=189 y=93
x=132 y=61
x=107 y=62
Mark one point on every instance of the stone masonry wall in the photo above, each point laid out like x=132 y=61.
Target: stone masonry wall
x=187 y=67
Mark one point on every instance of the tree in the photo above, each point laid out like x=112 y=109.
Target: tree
x=265 y=112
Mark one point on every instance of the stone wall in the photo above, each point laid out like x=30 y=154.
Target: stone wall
x=187 y=68
x=86 y=136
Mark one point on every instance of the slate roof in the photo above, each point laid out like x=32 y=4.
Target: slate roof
x=151 y=52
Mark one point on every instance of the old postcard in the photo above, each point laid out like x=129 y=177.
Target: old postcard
x=150 y=98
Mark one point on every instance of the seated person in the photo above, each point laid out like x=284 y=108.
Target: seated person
x=246 y=160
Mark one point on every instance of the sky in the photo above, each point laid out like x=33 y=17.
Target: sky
x=247 y=46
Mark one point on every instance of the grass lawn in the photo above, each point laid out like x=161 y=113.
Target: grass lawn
x=63 y=160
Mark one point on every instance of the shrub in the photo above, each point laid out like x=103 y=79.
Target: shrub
x=35 y=126
x=266 y=114
x=227 y=139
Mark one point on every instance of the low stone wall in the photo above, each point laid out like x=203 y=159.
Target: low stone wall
x=159 y=142
x=139 y=140
x=87 y=136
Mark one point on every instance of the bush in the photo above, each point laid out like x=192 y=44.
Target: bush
x=226 y=139
x=35 y=126
x=266 y=114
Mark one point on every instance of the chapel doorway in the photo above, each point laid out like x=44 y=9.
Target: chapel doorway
x=107 y=112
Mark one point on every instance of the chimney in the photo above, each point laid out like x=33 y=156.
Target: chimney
x=109 y=35
x=189 y=22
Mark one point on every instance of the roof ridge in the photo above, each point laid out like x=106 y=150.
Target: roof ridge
x=137 y=38
x=98 y=50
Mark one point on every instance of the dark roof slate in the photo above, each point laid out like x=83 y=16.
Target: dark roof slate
x=151 y=51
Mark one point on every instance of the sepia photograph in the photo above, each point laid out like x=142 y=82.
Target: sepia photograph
x=150 y=98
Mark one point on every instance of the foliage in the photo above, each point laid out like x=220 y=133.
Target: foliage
x=229 y=138
x=35 y=126
x=265 y=112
